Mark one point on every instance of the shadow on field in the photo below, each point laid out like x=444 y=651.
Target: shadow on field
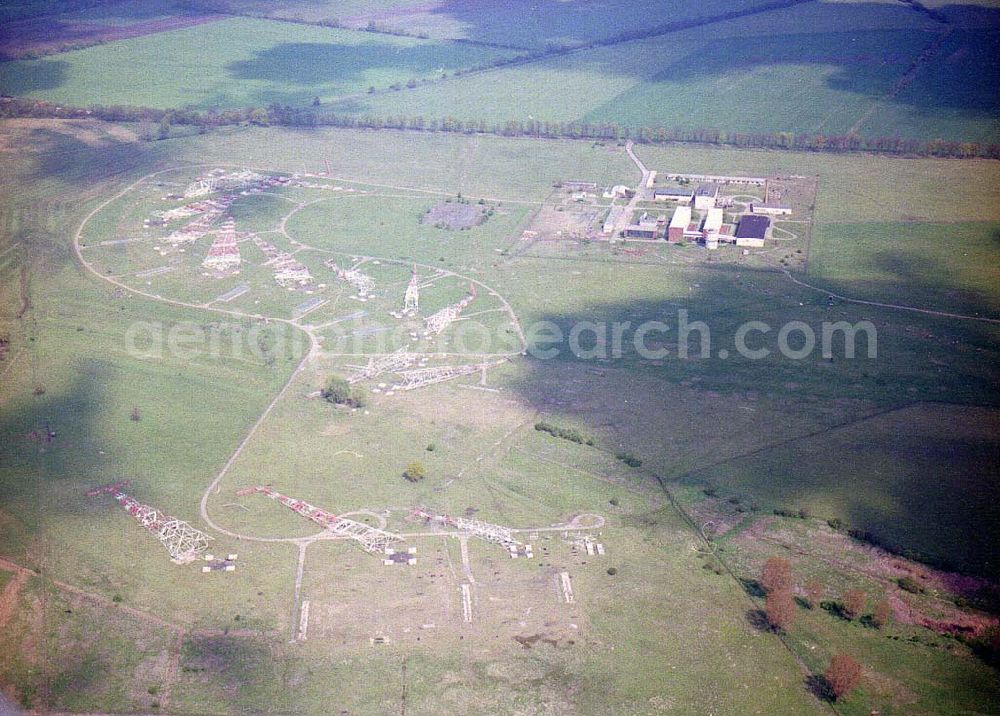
x=799 y=433
x=931 y=282
x=757 y=619
x=867 y=47
x=818 y=686
x=85 y=161
x=21 y=78
x=235 y=663
x=314 y=63
x=46 y=446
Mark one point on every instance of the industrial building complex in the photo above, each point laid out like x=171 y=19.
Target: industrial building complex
x=710 y=210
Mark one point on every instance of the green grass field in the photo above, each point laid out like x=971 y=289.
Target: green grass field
x=673 y=625
x=953 y=97
x=237 y=62
x=522 y=24
x=950 y=266
x=823 y=72
x=781 y=82
x=817 y=68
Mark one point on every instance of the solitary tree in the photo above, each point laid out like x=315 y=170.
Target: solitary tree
x=136 y=415
x=146 y=132
x=337 y=390
x=415 y=472
x=814 y=593
x=854 y=603
x=843 y=675
x=882 y=614
x=780 y=609
x=164 y=130
x=776 y=575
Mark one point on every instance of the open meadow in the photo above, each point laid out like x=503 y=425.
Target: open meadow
x=236 y=62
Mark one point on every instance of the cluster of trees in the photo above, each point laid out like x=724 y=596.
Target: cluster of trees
x=629 y=459
x=571 y=434
x=778 y=585
x=312 y=116
x=843 y=673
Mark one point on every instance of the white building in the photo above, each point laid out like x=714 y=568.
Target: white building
x=706 y=196
x=679 y=224
x=770 y=209
x=713 y=221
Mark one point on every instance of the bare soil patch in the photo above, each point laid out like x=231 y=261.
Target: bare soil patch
x=455 y=216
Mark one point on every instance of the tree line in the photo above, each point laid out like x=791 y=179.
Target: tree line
x=314 y=116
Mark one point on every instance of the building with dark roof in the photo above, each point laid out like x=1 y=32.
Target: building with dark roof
x=671 y=193
x=752 y=230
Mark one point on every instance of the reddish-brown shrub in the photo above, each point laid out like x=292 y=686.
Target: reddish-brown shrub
x=843 y=675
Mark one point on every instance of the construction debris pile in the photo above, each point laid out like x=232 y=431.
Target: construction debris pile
x=287 y=271
x=496 y=534
x=391 y=363
x=224 y=254
x=219 y=180
x=212 y=212
x=421 y=377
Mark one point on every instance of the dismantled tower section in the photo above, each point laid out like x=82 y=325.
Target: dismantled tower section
x=446 y=316
x=182 y=541
x=370 y=538
x=362 y=283
x=497 y=534
x=420 y=377
x=390 y=363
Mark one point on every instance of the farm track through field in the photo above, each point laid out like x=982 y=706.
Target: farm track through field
x=929 y=53
x=895 y=306
x=12 y=591
x=797 y=438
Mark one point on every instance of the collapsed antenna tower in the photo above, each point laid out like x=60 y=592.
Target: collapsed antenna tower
x=370 y=538
x=182 y=541
x=421 y=377
x=496 y=534
x=446 y=316
x=362 y=283
x=411 y=301
x=384 y=364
